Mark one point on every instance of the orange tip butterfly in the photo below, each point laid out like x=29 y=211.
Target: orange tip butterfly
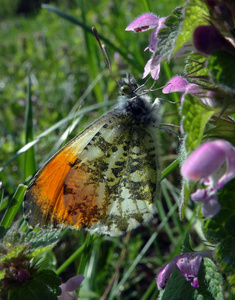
x=106 y=180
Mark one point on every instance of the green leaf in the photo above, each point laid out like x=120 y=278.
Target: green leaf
x=196 y=115
x=195 y=14
x=2 y=275
x=220 y=229
x=187 y=244
x=14 y=253
x=12 y=237
x=44 y=285
x=168 y=35
x=223 y=129
x=225 y=254
x=195 y=64
x=210 y=285
x=42 y=241
x=213 y=279
x=232 y=282
x=221 y=65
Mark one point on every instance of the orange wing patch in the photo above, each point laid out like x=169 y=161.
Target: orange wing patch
x=51 y=199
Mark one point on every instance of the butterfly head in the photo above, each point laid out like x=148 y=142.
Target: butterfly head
x=139 y=106
x=128 y=86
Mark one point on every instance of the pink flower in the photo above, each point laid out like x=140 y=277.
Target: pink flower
x=143 y=23
x=68 y=289
x=214 y=164
x=179 y=84
x=153 y=70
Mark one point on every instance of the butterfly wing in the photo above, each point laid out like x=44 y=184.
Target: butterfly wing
x=105 y=180
x=45 y=191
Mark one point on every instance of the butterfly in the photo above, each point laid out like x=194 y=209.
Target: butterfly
x=106 y=180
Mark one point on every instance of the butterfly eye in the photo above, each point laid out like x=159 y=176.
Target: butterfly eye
x=125 y=90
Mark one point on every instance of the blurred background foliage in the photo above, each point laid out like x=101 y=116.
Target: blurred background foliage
x=67 y=73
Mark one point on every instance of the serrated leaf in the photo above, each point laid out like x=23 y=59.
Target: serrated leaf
x=196 y=115
x=213 y=279
x=221 y=65
x=12 y=237
x=220 y=229
x=195 y=64
x=167 y=36
x=16 y=252
x=44 y=285
x=210 y=285
x=195 y=14
x=224 y=129
x=42 y=240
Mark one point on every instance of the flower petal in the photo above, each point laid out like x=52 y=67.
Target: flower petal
x=68 y=289
x=153 y=70
x=147 y=68
x=143 y=23
x=195 y=283
x=189 y=264
x=211 y=208
x=199 y=196
x=204 y=161
x=165 y=273
x=179 y=84
x=74 y=283
x=230 y=160
x=207 y=39
x=153 y=39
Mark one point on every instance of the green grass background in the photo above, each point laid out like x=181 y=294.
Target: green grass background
x=53 y=83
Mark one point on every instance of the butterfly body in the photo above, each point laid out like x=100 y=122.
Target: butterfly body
x=107 y=178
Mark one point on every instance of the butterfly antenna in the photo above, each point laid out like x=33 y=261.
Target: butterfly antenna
x=105 y=54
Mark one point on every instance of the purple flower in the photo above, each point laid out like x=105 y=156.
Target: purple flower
x=153 y=70
x=207 y=38
x=214 y=164
x=188 y=265
x=68 y=289
x=179 y=84
x=143 y=23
